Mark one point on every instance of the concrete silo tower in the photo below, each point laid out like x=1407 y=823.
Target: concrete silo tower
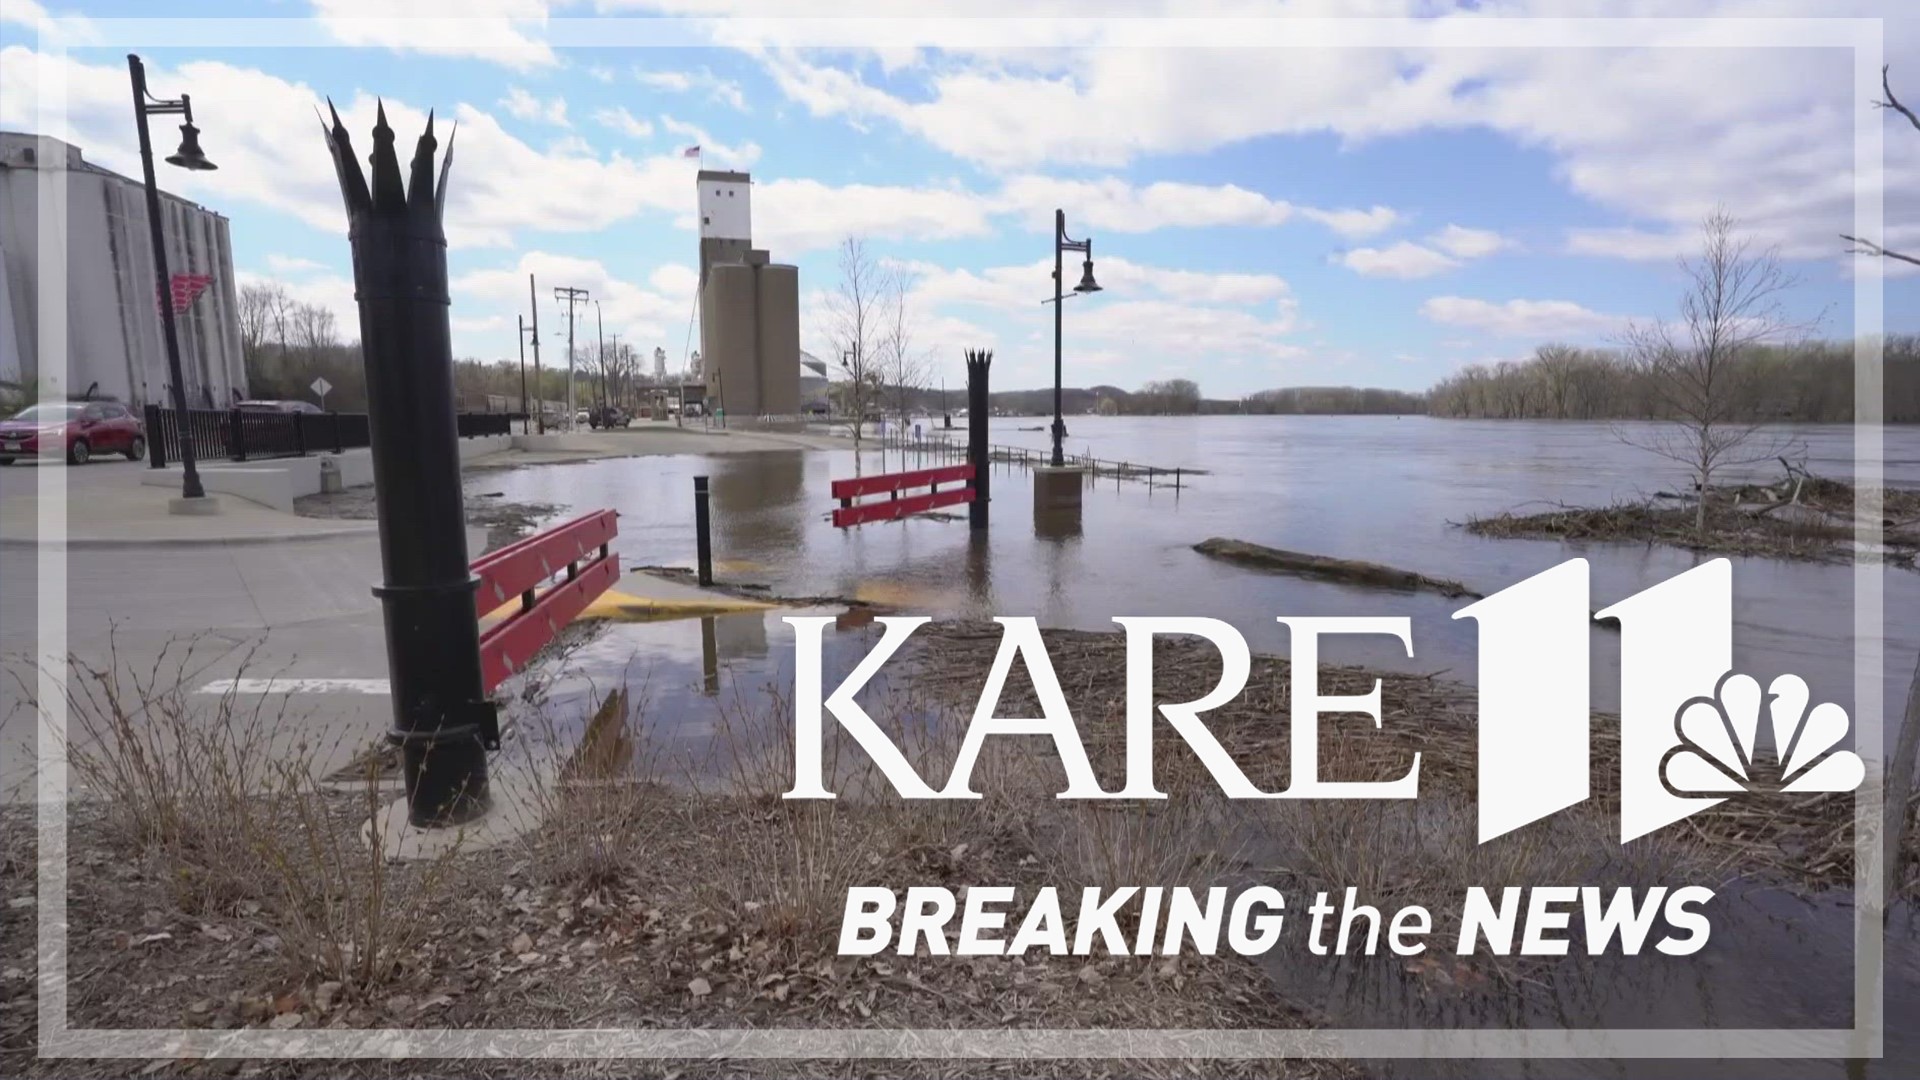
x=749 y=307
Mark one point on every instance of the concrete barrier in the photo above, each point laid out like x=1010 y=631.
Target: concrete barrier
x=277 y=482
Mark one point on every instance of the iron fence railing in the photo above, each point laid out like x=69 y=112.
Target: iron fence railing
x=941 y=446
x=245 y=435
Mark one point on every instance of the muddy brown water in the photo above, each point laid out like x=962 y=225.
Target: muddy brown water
x=1375 y=488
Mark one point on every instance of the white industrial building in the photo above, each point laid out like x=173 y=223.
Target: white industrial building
x=114 y=334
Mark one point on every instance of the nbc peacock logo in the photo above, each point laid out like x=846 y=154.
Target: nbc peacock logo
x=1718 y=737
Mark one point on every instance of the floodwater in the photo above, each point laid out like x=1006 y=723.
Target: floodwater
x=1383 y=489
x=1376 y=488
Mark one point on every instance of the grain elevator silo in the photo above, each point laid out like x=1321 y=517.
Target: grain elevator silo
x=749 y=307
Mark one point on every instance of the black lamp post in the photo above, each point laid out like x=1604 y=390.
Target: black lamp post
x=1062 y=244
x=187 y=157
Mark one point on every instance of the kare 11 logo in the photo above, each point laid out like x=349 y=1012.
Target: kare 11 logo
x=1689 y=725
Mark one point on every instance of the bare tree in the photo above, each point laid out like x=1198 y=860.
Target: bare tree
x=260 y=306
x=1558 y=367
x=1733 y=303
x=901 y=365
x=1868 y=247
x=313 y=329
x=855 y=327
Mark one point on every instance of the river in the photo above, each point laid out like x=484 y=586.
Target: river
x=1384 y=489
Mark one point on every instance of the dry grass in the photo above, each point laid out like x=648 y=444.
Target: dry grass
x=226 y=811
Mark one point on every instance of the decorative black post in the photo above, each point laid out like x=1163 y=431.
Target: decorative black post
x=443 y=721
x=702 y=532
x=977 y=409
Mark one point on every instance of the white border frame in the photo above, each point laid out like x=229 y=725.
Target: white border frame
x=1862 y=36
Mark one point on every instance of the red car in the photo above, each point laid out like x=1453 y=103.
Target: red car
x=80 y=428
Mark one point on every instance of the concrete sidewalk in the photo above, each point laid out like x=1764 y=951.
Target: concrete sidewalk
x=128 y=513
x=289 y=626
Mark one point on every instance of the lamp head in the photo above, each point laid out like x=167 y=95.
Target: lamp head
x=190 y=156
x=1087 y=284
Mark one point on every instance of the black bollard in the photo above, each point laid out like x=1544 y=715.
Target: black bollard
x=443 y=722
x=977 y=408
x=702 y=530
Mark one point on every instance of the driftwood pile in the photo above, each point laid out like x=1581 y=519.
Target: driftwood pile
x=1801 y=516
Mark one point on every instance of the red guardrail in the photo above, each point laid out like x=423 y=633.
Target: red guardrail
x=527 y=569
x=896 y=507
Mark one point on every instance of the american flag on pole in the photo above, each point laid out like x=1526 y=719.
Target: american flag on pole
x=690 y=152
x=186 y=289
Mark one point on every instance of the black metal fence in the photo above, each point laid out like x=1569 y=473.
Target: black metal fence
x=243 y=435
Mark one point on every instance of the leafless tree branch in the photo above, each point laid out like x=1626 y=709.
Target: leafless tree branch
x=1868 y=247
x=1886 y=86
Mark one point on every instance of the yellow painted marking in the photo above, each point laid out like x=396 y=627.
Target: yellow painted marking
x=624 y=607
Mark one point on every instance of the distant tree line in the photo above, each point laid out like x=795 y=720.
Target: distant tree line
x=1808 y=383
x=1335 y=401
x=287 y=344
x=1182 y=397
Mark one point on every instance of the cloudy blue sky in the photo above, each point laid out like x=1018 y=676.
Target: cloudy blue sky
x=1261 y=216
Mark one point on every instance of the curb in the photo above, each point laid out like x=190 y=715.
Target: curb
x=84 y=542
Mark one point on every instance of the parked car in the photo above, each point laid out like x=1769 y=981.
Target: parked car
x=79 y=429
x=611 y=416
x=582 y=418
x=278 y=406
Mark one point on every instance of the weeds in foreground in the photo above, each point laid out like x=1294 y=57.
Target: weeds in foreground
x=225 y=805
x=177 y=777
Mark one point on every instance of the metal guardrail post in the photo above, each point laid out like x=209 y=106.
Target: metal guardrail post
x=978 y=361
x=702 y=531
x=236 y=435
x=443 y=720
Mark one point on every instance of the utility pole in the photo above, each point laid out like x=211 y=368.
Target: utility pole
x=619 y=373
x=572 y=296
x=521 y=321
x=539 y=390
x=600 y=330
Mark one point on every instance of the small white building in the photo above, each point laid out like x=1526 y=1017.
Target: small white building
x=114 y=333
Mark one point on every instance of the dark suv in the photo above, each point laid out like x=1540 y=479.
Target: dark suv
x=608 y=416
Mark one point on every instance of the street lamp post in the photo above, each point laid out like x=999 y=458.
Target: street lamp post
x=187 y=157
x=1061 y=245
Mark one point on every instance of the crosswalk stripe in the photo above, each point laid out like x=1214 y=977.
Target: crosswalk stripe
x=297 y=686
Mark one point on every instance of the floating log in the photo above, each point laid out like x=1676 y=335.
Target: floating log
x=1345 y=571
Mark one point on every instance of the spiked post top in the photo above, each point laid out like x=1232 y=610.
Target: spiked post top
x=981 y=357
x=409 y=211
